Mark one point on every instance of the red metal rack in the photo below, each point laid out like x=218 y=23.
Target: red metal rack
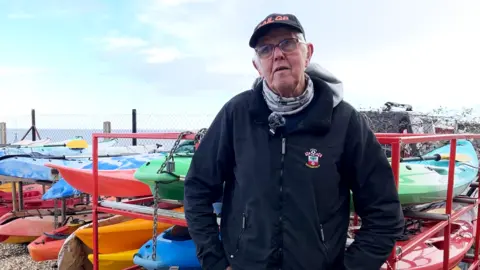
x=394 y=139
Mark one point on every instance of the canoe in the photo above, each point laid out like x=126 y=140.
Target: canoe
x=174 y=248
x=122 y=236
x=428 y=255
x=47 y=246
x=170 y=185
x=115 y=261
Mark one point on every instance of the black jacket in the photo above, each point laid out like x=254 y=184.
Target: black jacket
x=279 y=211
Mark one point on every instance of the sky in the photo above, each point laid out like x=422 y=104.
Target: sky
x=178 y=61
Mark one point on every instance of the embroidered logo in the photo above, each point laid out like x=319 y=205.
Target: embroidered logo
x=312 y=158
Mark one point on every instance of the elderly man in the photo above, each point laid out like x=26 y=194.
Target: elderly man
x=285 y=156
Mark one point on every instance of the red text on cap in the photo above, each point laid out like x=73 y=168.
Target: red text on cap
x=273 y=19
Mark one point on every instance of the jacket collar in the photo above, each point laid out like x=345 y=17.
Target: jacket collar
x=318 y=119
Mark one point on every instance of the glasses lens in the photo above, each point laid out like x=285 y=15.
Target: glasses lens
x=288 y=45
x=264 y=50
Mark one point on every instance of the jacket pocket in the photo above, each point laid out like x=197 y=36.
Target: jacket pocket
x=324 y=245
x=238 y=241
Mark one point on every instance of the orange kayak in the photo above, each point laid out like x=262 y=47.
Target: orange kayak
x=123 y=236
x=47 y=246
x=116 y=183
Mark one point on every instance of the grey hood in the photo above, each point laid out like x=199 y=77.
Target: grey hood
x=316 y=71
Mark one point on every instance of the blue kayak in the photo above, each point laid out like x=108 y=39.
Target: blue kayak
x=172 y=250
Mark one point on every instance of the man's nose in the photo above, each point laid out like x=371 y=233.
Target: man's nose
x=278 y=54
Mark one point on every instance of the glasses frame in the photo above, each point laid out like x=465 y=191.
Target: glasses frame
x=297 y=41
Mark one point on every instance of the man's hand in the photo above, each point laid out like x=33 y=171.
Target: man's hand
x=229 y=268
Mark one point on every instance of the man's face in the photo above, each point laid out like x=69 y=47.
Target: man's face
x=283 y=70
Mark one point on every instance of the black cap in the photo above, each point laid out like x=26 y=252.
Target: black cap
x=274 y=20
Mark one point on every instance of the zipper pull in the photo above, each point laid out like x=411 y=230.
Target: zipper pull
x=321 y=233
x=283 y=146
x=244 y=221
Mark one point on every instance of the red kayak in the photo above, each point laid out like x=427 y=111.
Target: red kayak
x=33 y=191
x=428 y=255
x=38 y=204
x=116 y=183
x=47 y=246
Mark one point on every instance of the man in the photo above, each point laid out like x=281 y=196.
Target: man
x=285 y=156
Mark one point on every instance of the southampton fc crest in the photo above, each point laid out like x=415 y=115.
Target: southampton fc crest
x=312 y=158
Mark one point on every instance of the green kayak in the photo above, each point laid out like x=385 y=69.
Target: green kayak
x=420 y=182
x=170 y=185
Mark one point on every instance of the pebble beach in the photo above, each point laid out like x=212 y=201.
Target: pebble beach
x=15 y=257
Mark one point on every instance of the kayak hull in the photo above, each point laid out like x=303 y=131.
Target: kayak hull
x=429 y=254
x=115 y=261
x=169 y=186
x=122 y=236
x=179 y=252
x=45 y=248
x=116 y=183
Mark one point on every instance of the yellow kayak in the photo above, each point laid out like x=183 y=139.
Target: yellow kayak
x=115 y=261
x=127 y=235
x=7 y=187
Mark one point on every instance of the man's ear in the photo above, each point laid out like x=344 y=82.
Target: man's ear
x=308 y=57
x=255 y=64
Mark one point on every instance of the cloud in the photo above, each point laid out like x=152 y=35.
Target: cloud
x=116 y=43
x=157 y=55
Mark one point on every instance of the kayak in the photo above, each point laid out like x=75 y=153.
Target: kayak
x=25 y=230
x=56 y=150
x=37 y=204
x=62 y=189
x=420 y=181
x=428 y=255
x=427 y=181
x=47 y=246
x=115 y=261
x=111 y=170
x=30 y=192
x=170 y=185
x=115 y=183
x=122 y=236
x=174 y=247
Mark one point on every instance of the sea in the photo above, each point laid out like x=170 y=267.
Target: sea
x=55 y=135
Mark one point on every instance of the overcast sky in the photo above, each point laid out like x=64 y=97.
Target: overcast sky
x=188 y=57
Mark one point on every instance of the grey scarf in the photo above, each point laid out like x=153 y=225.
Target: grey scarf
x=288 y=106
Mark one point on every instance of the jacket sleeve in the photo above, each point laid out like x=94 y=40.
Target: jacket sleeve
x=375 y=198
x=211 y=165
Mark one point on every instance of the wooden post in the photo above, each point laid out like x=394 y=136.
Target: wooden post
x=107 y=127
x=3 y=133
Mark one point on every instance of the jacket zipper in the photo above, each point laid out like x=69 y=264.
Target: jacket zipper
x=322 y=236
x=282 y=161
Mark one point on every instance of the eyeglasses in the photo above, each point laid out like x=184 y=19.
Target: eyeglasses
x=287 y=45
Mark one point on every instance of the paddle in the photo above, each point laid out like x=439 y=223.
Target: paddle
x=73 y=144
x=436 y=157
x=42 y=156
